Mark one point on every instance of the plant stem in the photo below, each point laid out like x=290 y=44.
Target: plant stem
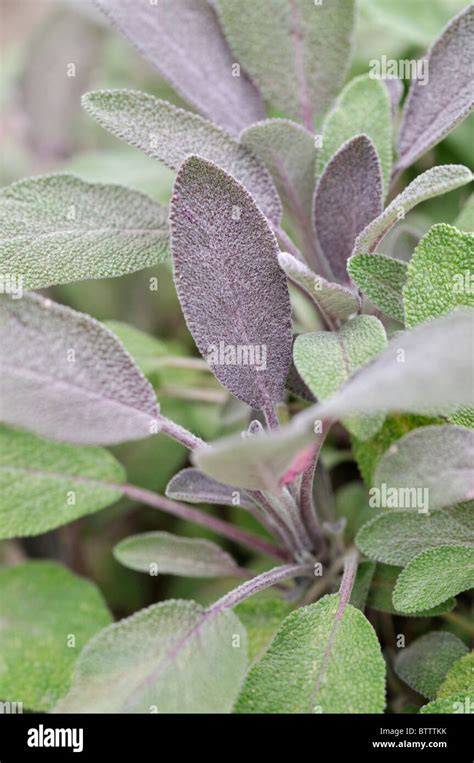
x=271 y=416
x=306 y=499
x=180 y=434
x=192 y=393
x=460 y=621
x=191 y=514
x=259 y=583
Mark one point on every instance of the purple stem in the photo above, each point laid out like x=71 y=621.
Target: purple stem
x=308 y=512
x=180 y=434
x=259 y=583
x=271 y=417
x=191 y=514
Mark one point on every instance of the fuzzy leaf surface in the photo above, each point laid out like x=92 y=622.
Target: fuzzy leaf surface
x=193 y=486
x=347 y=198
x=231 y=288
x=170 y=134
x=173 y=656
x=57 y=229
x=433 y=182
x=435 y=107
x=67 y=377
x=184 y=41
x=432 y=576
x=297 y=53
x=319 y=661
x=397 y=536
x=363 y=108
x=41 y=605
x=39 y=479
x=381 y=279
x=174 y=555
x=424 y=664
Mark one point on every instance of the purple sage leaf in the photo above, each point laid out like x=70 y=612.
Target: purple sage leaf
x=183 y=40
x=434 y=107
x=65 y=376
x=194 y=486
x=232 y=291
x=348 y=197
x=170 y=134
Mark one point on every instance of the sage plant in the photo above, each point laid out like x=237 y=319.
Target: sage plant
x=288 y=179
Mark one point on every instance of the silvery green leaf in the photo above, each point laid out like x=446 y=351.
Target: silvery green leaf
x=172 y=657
x=57 y=229
x=347 y=198
x=433 y=576
x=184 y=41
x=193 y=486
x=231 y=288
x=424 y=664
x=67 y=377
x=363 y=108
x=381 y=279
x=415 y=467
x=395 y=537
x=436 y=106
x=321 y=660
x=47 y=484
x=381 y=594
x=401 y=377
x=439 y=274
x=459 y=677
x=170 y=134
x=42 y=604
x=459 y=704
x=333 y=300
x=297 y=53
x=160 y=553
x=433 y=182
x=327 y=359
x=287 y=150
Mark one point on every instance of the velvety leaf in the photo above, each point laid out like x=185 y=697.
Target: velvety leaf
x=396 y=537
x=65 y=376
x=381 y=594
x=255 y=463
x=424 y=664
x=159 y=553
x=57 y=229
x=363 y=108
x=170 y=134
x=434 y=107
x=368 y=453
x=465 y=219
x=454 y=704
x=184 y=41
x=297 y=53
x=287 y=150
x=193 y=486
x=459 y=677
x=433 y=575
x=347 y=198
x=439 y=274
x=172 y=657
x=47 y=615
x=433 y=182
x=231 y=288
x=320 y=661
x=261 y=616
x=326 y=359
x=418 y=463
x=46 y=484
x=395 y=92
x=381 y=279
x=400 y=378
x=332 y=299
